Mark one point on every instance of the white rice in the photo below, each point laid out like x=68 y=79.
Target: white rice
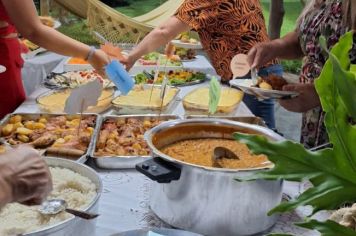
x=78 y=191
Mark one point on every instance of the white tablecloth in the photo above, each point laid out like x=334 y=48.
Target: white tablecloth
x=37 y=68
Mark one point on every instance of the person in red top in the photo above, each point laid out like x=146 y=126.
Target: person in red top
x=21 y=16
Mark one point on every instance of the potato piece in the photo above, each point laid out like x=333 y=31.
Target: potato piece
x=59 y=142
x=264 y=85
x=136 y=146
x=68 y=138
x=147 y=124
x=23 y=138
x=39 y=125
x=17 y=125
x=90 y=130
x=29 y=124
x=15 y=119
x=24 y=131
x=43 y=120
x=2 y=149
x=7 y=129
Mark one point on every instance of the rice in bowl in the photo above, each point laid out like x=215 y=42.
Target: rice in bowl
x=78 y=191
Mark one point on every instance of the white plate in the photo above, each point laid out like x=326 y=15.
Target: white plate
x=2 y=69
x=188 y=60
x=160 y=231
x=246 y=86
x=180 y=44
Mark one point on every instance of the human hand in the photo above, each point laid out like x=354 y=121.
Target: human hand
x=308 y=98
x=26 y=175
x=99 y=60
x=261 y=54
x=128 y=61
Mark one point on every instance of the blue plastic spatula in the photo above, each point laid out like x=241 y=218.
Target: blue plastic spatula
x=119 y=76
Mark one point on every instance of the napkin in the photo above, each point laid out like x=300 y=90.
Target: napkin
x=83 y=97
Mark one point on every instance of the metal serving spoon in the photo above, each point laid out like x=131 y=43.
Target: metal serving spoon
x=222 y=152
x=55 y=206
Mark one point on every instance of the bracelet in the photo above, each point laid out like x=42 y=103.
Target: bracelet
x=91 y=53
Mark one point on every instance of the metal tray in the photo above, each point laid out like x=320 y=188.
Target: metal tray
x=121 y=162
x=81 y=159
x=206 y=78
x=244 y=119
x=136 y=110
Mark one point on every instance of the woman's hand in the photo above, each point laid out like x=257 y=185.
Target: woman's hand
x=24 y=175
x=308 y=98
x=99 y=60
x=261 y=54
x=128 y=61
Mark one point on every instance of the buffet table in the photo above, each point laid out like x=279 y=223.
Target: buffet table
x=124 y=204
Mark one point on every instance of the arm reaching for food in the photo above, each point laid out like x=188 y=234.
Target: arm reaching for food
x=24 y=16
x=158 y=37
x=24 y=177
x=308 y=98
x=287 y=47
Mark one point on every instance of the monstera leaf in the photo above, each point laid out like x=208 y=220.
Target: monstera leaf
x=331 y=171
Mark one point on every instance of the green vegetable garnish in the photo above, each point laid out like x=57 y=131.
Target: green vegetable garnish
x=214 y=95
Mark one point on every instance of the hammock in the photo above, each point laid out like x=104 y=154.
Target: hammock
x=115 y=26
x=78 y=8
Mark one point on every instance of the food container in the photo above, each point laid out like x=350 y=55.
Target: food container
x=57 y=106
x=193 y=107
x=208 y=200
x=75 y=67
x=74 y=225
x=121 y=162
x=30 y=116
x=142 y=109
x=254 y=120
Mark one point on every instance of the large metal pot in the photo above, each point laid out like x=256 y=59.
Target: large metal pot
x=74 y=226
x=208 y=200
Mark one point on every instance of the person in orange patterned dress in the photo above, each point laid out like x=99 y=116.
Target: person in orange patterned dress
x=226 y=28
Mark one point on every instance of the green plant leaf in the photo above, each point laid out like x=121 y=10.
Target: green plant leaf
x=331 y=171
x=214 y=95
x=328 y=228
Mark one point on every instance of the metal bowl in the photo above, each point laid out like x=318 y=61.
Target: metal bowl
x=74 y=225
x=208 y=200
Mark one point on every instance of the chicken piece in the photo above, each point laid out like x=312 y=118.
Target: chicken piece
x=125 y=141
x=57 y=121
x=111 y=145
x=275 y=81
x=85 y=138
x=102 y=138
x=45 y=141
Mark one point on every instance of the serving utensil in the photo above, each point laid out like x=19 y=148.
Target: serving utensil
x=55 y=206
x=222 y=152
x=254 y=75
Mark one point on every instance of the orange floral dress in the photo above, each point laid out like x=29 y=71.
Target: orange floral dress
x=225 y=27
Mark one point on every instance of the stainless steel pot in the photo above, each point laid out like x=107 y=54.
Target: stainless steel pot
x=74 y=226
x=208 y=200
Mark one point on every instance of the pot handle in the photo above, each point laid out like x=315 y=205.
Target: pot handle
x=159 y=170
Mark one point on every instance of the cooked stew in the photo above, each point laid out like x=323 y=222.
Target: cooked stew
x=200 y=152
